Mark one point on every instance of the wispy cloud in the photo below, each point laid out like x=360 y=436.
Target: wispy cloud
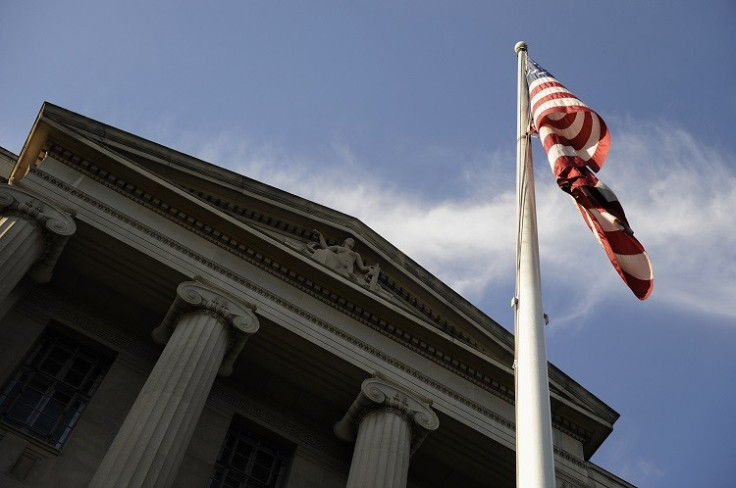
x=677 y=193
x=680 y=195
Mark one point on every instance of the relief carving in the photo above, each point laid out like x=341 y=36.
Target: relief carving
x=341 y=259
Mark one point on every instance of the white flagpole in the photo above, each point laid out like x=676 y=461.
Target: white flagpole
x=534 y=453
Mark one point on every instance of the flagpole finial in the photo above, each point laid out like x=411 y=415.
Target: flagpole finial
x=520 y=46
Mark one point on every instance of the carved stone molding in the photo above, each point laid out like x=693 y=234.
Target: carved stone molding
x=56 y=226
x=567 y=481
x=195 y=297
x=570 y=458
x=380 y=393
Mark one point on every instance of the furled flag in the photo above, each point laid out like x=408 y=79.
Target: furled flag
x=576 y=141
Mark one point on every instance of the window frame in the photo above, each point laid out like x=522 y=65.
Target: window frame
x=239 y=433
x=33 y=393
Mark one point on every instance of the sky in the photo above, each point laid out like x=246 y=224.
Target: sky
x=403 y=113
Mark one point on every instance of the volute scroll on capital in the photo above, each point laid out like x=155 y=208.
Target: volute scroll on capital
x=377 y=393
x=47 y=216
x=56 y=226
x=194 y=297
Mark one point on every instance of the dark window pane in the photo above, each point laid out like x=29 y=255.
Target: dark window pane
x=51 y=367
x=74 y=378
x=19 y=413
x=264 y=458
x=31 y=396
x=47 y=395
x=239 y=462
x=247 y=461
x=55 y=409
x=58 y=354
x=81 y=365
x=261 y=473
x=232 y=481
x=62 y=394
x=44 y=424
x=40 y=383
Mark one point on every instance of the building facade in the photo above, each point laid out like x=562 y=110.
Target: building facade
x=168 y=323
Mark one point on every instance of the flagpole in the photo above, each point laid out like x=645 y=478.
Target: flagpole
x=534 y=451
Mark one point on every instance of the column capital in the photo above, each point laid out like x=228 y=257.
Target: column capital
x=198 y=297
x=378 y=393
x=56 y=225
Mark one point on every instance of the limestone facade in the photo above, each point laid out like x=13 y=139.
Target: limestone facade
x=189 y=326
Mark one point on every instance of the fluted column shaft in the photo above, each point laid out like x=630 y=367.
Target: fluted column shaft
x=21 y=244
x=391 y=424
x=202 y=329
x=382 y=449
x=32 y=235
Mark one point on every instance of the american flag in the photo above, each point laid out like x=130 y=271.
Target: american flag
x=576 y=141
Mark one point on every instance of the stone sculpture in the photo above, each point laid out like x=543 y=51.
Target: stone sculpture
x=343 y=260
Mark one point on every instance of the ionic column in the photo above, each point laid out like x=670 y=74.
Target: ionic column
x=391 y=423
x=32 y=236
x=204 y=331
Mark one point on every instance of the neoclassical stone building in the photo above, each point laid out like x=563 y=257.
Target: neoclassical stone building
x=168 y=323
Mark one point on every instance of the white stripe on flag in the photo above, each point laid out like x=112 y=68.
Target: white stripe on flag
x=546 y=92
x=637 y=265
x=608 y=222
x=559 y=102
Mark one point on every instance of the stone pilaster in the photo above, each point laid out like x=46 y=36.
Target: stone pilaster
x=204 y=331
x=32 y=236
x=391 y=423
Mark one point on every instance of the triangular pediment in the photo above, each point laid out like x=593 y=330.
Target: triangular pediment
x=291 y=221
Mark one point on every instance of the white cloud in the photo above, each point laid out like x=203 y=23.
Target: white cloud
x=680 y=198
x=677 y=193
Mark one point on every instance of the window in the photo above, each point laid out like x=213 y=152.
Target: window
x=47 y=394
x=247 y=461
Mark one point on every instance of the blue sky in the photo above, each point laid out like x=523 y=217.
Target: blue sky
x=403 y=114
